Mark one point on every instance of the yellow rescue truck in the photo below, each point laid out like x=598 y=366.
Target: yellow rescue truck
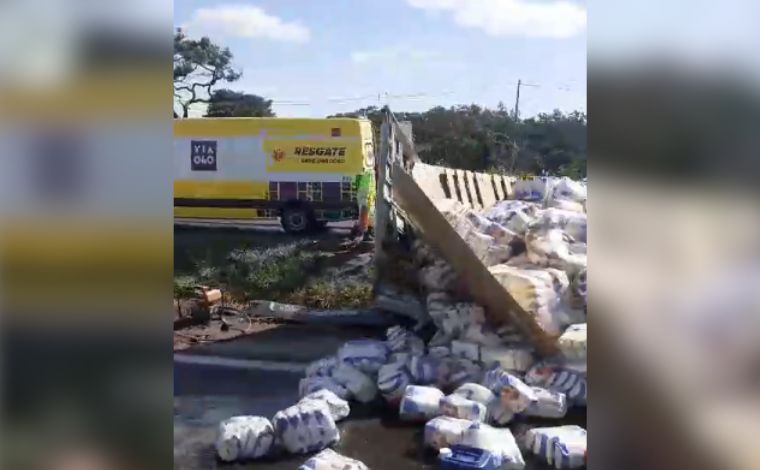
x=307 y=172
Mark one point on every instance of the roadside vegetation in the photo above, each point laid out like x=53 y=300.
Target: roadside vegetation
x=292 y=271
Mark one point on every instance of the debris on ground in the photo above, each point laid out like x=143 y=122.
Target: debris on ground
x=470 y=381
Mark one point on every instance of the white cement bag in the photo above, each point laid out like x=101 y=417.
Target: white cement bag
x=439 y=352
x=499 y=441
x=538 y=292
x=438 y=276
x=328 y=459
x=518 y=357
x=465 y=350
x=572 y=343
x=313 y=384
x=475 y=392
x=571 y=222
x=305 y=427
x=445 y=431
x=367 y=355
x=567 y=205
x=512 y=391
x=552 y=248
x=461 y=371
x=401 y=340
x=567 y=188
x=244 y=437
x=481 y=334
x=392 y=380
x=361 y=386
x=533 y=189
x=420 y=403
x=514 y=215
x=559 y=446
x=498 y=413
x=560 y=378
x=550 y=404
x=457 y=406
x=424 y=369
x=322 y=367
x=467 y=224
x=338 y=407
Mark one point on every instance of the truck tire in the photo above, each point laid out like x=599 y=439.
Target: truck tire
x=295 y=219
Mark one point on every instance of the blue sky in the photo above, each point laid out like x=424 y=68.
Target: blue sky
x=315 y=58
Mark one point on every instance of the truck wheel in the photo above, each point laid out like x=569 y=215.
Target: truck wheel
x=295 y=220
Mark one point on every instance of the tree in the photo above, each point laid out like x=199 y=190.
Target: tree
x=474 y=138
x=199 y=65
x=229 y=103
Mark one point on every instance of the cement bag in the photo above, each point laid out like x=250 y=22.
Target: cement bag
x=498 y=232
x=552 y=248
x=438 y=276
x=424 y=369
x=322 y=367
x=361 y=386
x=481 y=334
x=514 y=215
x=400 y=340
x=444 y=431
x=500 y=442
x=560 y=446
x=566 y=188
x=457 y=406
x=314 y=384
x=367 y=355
x=462 y=371
x=485 y=247
x=305 y=427
x=439 y=306
x=328 y=459
x=567 y=205
x=392 y=380
x=571 y=222
x=338 y=407
x=533 y=189
x=550 y=404
x=517 y=357
x=572 y=343
x=439 y=352
x=244 y=437
x=420 y=403
x=580 y=288
x=465 y=350
x=512 y=391
x=536 y=291
x=475 y=392
x=560 y=378
x=498 y=413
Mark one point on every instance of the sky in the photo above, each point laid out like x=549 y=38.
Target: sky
x=315 y=58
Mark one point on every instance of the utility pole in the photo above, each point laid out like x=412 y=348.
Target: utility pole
x=517 y=101
x=517 y=98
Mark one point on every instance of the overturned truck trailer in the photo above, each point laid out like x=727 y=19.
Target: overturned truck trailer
x=413 y=201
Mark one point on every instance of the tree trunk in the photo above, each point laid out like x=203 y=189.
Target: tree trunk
x=185 y=111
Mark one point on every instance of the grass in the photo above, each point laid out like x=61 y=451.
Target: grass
x=333 y=294
x=292 y=272
x=251 y=274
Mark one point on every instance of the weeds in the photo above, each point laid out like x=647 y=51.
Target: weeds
x=334 y=294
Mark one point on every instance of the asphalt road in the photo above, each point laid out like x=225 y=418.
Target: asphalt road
x=205 y=393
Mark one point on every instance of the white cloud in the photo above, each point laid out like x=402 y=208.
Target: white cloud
x=553 y=19
x=396 y=54
x=245 y=21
